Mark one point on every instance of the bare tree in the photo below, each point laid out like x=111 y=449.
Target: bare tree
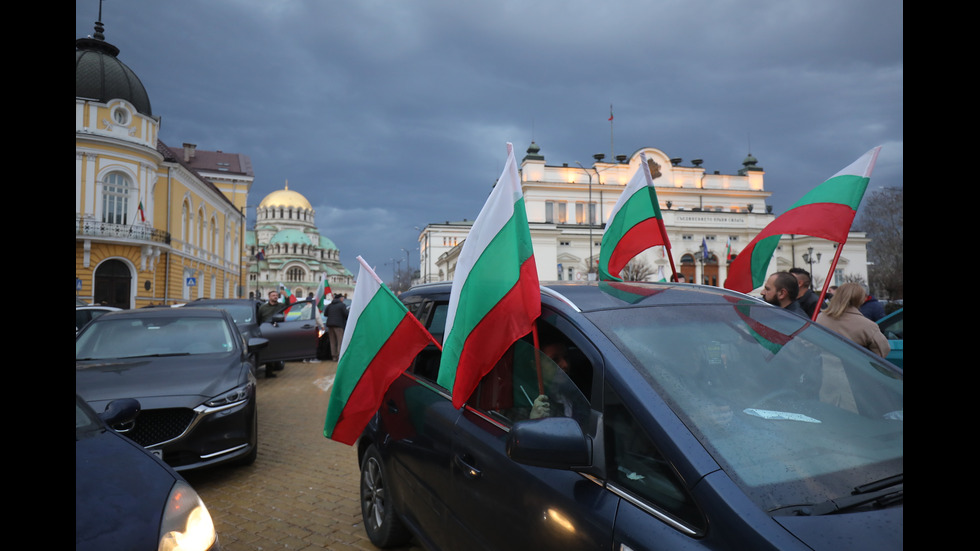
x=636 y=270
x=882 y=219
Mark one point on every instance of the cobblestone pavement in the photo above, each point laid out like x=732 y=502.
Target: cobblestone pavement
x=302 y=492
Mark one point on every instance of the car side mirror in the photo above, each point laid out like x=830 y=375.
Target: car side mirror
x=257 y=343
x=553 y=442
x=120 y=411
x=278 y=318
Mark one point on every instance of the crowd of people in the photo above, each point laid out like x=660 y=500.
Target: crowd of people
x=848 y=309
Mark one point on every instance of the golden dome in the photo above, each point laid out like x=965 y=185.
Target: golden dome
x=285 y=198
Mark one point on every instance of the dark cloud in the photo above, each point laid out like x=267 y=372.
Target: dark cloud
x=390 y=115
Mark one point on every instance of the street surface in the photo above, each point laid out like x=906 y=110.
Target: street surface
x=302 y=492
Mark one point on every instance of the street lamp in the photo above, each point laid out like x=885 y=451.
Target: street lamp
x=589 y=212
x=808 y=258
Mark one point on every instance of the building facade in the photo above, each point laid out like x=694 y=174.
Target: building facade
x=709 y=218
x=153 y=224
x=286 y=249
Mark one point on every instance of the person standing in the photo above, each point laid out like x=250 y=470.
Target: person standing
x=270 y=308
x=336 y=314
x=807 y=298
x=872 y=309
x=781 y=289
x=843 y=316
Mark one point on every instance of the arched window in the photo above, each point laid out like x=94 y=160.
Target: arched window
x=115 y=198
x=295 y=274
x=185 y=222
x=201 y=242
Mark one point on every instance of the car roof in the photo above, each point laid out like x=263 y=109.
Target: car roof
x=203 y=301
x=165 y=313
x=601 y=295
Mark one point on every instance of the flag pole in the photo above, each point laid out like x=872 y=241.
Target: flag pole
x=537 y=359
x=826 y=283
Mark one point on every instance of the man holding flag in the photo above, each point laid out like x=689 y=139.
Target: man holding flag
x=495 y=295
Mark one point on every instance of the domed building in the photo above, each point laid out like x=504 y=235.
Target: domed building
x=287 y=249
x=153 y=224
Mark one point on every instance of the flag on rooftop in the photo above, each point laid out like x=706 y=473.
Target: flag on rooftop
x=635 y=224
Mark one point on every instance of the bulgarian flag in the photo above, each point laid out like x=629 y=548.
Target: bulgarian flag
x=635 y=224
x=825 y=212
x=324 y=295
x=380 y=341
x=495 y=296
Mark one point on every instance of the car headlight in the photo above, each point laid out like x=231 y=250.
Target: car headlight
x=235 y=395
x=187 y=524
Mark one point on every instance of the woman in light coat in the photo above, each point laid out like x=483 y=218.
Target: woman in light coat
x=843 y=316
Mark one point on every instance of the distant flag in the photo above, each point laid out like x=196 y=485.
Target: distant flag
x=139 y=210
x=610 y=112
x=704 y=250
x=826 y=212
x=728 y=249
x=260 y=255
x=635 y=224
x=323 y=294
x=495 y=295
x=380 y=341
x=661 y=276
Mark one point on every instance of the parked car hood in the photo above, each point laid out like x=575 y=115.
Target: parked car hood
x=194 y=377
x=881 y=529
x=120 y=494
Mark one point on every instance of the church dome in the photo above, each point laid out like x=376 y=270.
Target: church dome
x=100 y=76
x=285 y=198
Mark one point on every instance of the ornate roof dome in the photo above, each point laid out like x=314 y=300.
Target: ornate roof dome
x=100 y=76
x=285 y=198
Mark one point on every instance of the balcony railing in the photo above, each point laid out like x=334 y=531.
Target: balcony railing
x=94 y=228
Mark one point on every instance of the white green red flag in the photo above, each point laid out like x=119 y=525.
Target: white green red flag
x=635 y=225
x=495 y=296
x=380 y=341
x=323 y=294
x=826 y=212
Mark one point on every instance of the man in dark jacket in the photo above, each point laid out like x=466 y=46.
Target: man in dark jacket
x=872 y=309
x=336 y=314
x=807 y=298
x=781 y=290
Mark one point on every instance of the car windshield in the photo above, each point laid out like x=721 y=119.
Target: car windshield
x=243 y=314
x=134 y=337
x=85 y=420
x=791 y=411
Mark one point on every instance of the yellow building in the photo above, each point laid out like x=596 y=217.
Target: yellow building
x=153 y=224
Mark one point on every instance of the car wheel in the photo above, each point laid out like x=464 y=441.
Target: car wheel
x=381 y=522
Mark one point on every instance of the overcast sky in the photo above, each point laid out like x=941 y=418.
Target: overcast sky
x=393 y=114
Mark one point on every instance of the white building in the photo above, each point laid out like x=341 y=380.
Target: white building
x=568 y=205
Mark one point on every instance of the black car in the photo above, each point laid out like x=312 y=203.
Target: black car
x=650 y=416
x=191 y=370
x=293 y=335
x=126 y=498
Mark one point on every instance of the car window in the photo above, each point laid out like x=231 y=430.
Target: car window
x=894 y=327
x=637 y=466
x=127 y=338
x=529 y=383
x=299 y=311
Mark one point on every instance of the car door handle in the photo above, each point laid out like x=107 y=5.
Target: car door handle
x=468 y=470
